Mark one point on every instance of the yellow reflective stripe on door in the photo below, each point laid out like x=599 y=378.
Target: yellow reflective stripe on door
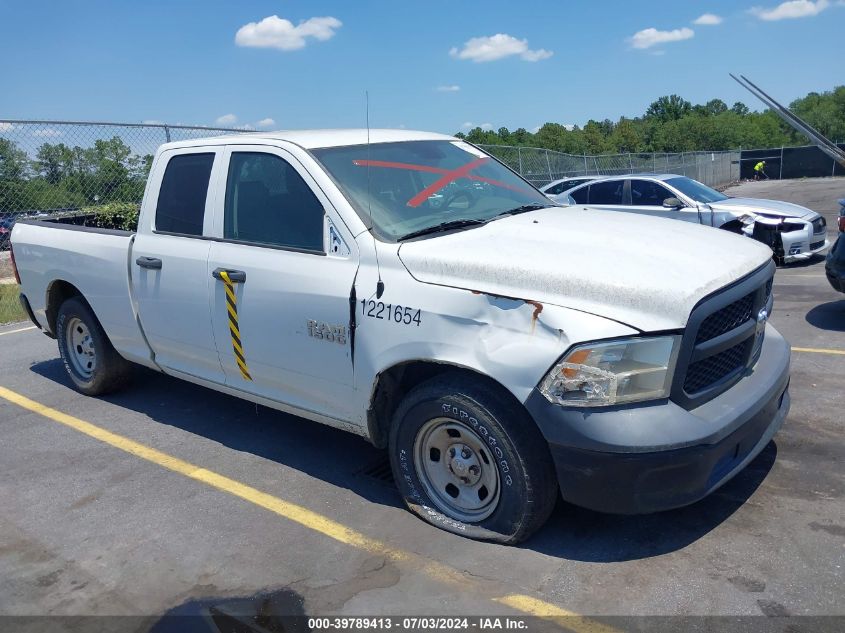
x=234 y=330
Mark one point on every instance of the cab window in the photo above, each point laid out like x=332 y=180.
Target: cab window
x=268 y=202
x=181 y=199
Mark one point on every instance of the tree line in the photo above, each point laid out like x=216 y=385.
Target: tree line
x=108 y=172
x=63 y=177
x=673 y=124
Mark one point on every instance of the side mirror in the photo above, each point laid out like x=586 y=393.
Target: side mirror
x=672 y=203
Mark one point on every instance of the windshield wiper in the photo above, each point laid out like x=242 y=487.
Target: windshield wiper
x=460 y=224
x=534 y=206
x=443 y=226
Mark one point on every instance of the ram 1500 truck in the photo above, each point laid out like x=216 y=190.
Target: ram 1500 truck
x=409 y=288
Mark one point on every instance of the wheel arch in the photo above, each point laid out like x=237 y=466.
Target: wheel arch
x=733 y=226
x=58 y=292
x=392 y=384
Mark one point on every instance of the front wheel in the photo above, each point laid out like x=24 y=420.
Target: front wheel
x=468 y=460
x=92 y=363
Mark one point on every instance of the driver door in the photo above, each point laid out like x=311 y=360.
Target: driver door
x=282 y=323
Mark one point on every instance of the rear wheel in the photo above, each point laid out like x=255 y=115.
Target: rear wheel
x=470 y=461
x=90 y=359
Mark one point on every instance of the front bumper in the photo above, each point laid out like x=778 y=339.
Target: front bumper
x=800 y=247
x=657 y=456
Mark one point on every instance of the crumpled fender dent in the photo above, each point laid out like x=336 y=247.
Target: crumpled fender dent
x=512 y=340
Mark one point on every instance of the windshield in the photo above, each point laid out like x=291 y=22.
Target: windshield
x=695 y=190
x=414 y=185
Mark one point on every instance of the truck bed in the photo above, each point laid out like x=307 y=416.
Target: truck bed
x=93 y=260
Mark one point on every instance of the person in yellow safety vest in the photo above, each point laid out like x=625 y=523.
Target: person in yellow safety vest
x=760 y=170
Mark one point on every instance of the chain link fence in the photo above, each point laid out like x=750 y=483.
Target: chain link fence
x=541 y=166
x=96 y=171
x=806 y=161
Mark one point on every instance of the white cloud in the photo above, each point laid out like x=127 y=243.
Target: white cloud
x=488 y=49
x=226 y=119
x=791 y=10
x=469 y=125
x=5 y=127
x=152 y=122
x=708 y=19
x=265 y=123
x=652 y=37
x=47 y=132
x=276 y=32
x=451 y=88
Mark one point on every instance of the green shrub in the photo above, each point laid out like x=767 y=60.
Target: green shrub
x=114 y=215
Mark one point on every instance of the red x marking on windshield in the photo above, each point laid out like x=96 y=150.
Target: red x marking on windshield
x=448 y=176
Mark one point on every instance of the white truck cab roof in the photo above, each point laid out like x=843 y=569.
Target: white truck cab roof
x=311 y=139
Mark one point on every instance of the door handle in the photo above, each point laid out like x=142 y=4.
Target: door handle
x=235 y=276
x=152 y=263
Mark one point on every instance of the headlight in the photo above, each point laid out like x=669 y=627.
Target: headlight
x=613 y=372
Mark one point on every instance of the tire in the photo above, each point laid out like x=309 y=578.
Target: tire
x=92 y=363
x=512 y=462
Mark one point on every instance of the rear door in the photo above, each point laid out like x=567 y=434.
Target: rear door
x=607 y=195
x=281 y=319
x=169 y=262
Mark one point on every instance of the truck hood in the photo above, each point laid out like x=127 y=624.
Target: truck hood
x=768 y=207
x=637 y=270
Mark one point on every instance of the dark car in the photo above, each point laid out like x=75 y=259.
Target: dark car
x=834 y=266
x=6 y=225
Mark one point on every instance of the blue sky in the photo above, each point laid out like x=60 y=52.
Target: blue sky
x=432 y=65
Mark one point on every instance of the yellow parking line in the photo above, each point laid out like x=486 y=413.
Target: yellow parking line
x=814 y=350
x=573 y=621
x=296 y=513
x=20 y=329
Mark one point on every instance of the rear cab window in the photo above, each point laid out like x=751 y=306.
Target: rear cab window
x=183 y=193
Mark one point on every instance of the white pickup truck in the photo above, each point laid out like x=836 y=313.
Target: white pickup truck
x=409 y=288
